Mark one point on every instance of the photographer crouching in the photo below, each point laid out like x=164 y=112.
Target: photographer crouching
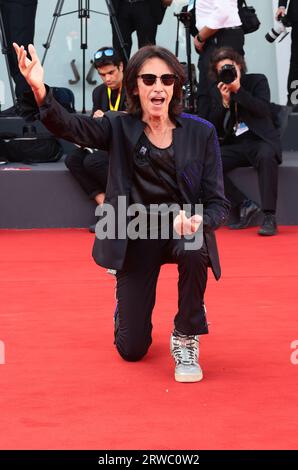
x=241 y=112
x=219 y=25
x=292 y=18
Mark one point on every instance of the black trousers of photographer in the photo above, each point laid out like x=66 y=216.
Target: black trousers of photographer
x=134 y=16
x=226 y=37
x=19 y=24
x=259 y=154
x=136 y=292
x=89 y=169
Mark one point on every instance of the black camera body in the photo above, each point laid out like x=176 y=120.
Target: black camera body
x=227 y=74
x=280 y=30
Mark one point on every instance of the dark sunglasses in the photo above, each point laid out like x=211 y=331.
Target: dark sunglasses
x=105 y=52
x=149 y=79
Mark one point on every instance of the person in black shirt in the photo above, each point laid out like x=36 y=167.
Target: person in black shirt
x=186 y=166
x=242 y=115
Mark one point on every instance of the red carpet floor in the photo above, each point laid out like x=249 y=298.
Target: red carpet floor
x=63 y=386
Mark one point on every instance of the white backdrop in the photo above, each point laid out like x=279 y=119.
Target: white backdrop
x=261 y=56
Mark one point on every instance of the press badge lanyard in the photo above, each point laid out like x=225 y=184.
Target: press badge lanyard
x=236 y=115
x=116 y=106
x=240 y=127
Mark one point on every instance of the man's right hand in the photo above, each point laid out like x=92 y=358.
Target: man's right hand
x=98 y=113
x=32 y=70
x=185 y=226
x=199 y=46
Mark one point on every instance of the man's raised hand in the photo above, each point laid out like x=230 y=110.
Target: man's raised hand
x=32 y=70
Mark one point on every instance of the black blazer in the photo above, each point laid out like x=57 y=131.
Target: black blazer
x=156 y=6
x=197 y=158
x=100 y=99
x=253 y=102
x=292 y=9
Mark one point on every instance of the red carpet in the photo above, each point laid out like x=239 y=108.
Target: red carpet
x=63 y=386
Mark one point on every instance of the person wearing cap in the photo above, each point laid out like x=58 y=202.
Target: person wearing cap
x=140 y=16
x=89 y=166
x=109 y=96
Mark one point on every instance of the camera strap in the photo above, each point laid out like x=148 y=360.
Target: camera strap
x=234 y=113
x=236 y=117
x=231 y=120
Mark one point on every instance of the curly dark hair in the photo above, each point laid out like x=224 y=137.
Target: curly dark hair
x=132 y=71
x=224 y=53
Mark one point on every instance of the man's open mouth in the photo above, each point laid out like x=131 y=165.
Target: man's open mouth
x=158 y=101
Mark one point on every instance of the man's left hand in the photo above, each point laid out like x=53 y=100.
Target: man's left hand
x=167 y=3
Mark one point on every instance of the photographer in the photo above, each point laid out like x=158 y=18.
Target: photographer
x=219 y=25
x=241 y=112
x=292 y=17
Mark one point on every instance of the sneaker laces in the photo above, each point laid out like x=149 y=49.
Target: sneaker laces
x=185 y=349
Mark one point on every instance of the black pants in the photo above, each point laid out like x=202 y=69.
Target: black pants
x=261 y=156
x=19 y=24
x=134 y=17
x=293 y=72
x=89 y=169
x=136 y=291
x=233 y=38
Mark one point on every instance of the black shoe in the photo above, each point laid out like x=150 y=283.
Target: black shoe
x=248 y=210
x=269 y=226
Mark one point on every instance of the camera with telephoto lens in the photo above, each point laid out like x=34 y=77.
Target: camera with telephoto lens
x=283 y=23
x=227 y=74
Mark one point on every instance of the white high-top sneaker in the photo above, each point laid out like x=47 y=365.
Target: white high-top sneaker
x=185 y=351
